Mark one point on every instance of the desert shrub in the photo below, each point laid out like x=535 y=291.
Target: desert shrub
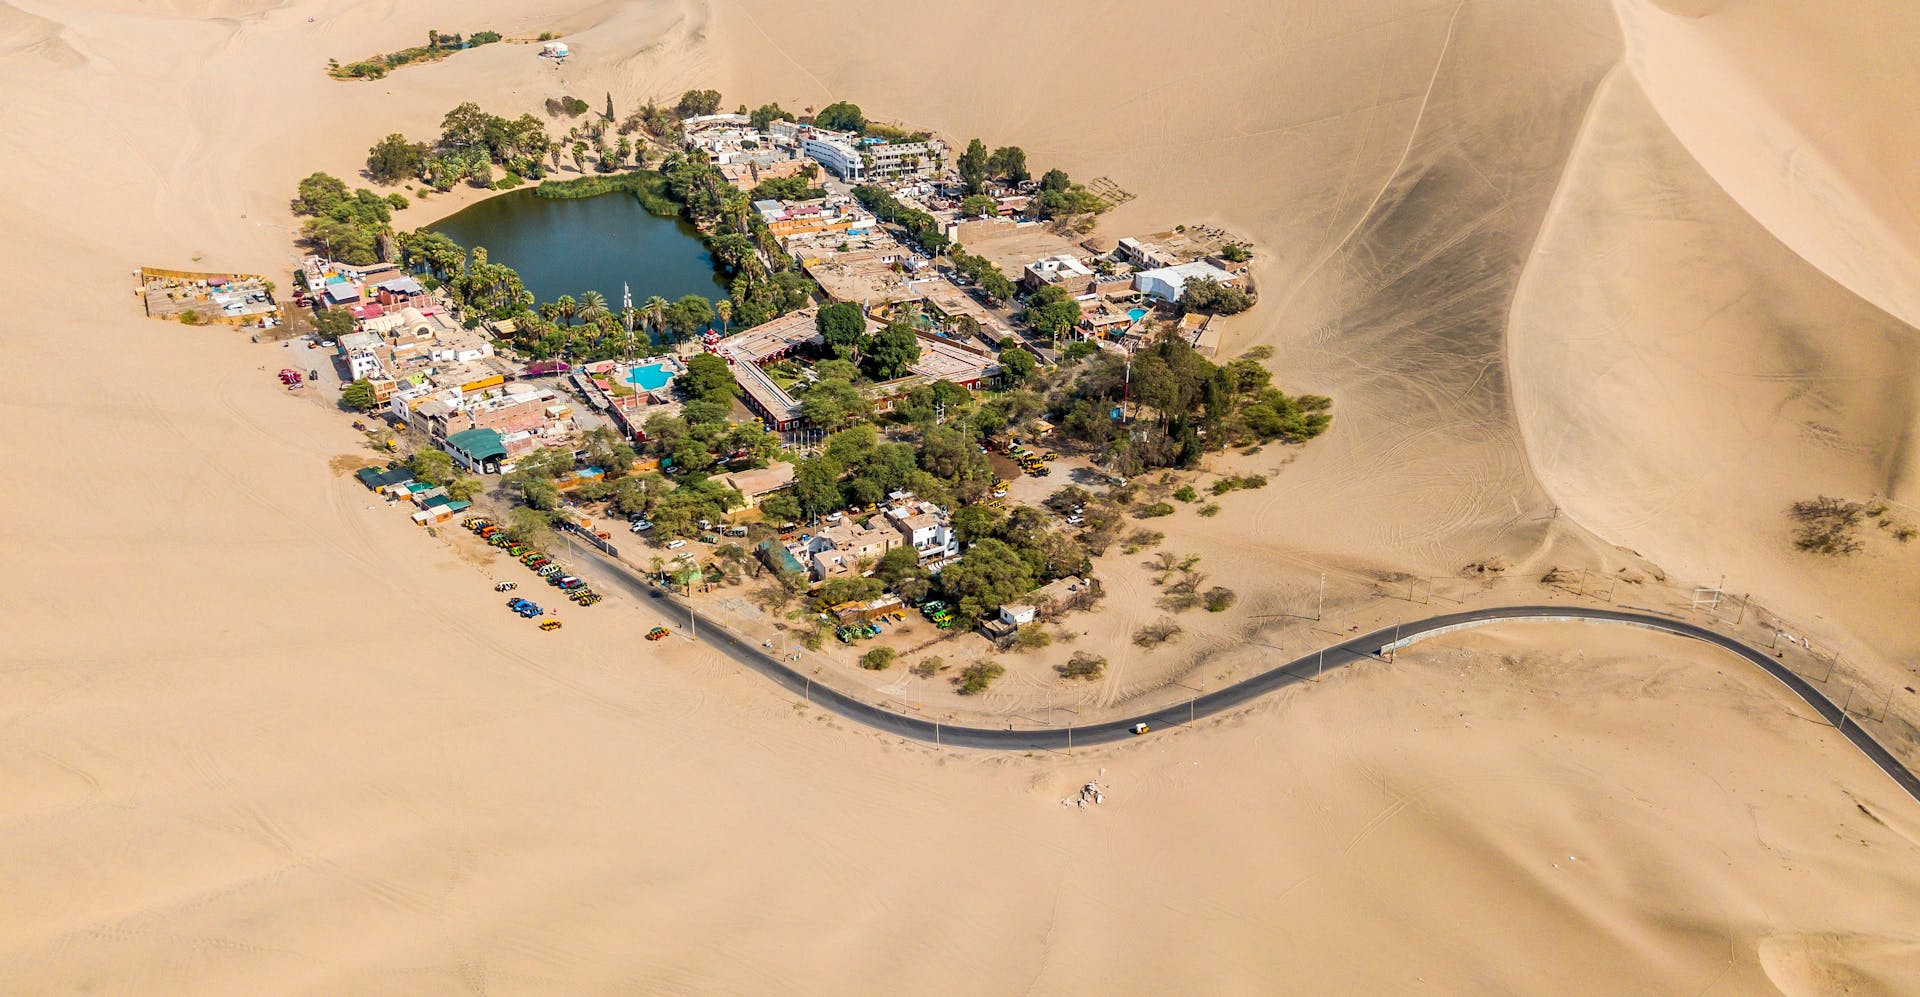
x=814 y=638
x=1827 y=525
x=878 y=660
x=1186 y=494
x=1156 y=634
x=927 y=668
x=975 y=678
x=1082 y=666
x=191 y=318
x=1031 y=637
x=1219 y=599
x=1154 y=511
x=1210 y=510
x=1141 y=539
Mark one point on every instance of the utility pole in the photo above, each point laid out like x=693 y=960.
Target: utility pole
x=1322 y=608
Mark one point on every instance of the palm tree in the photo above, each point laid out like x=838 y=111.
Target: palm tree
x=724 y=309
x=656 y=309
x=593 y=306
x=567 y=308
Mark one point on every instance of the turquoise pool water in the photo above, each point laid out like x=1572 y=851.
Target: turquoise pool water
x=1136 y=314
x=649 y=378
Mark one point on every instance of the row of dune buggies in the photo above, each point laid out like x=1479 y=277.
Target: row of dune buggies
x=536 y=561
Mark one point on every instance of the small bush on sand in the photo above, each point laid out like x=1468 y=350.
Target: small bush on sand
x=975 y=678
x=1827 y=525
x=1186 y=494
x=1155 y=510
x=1031 y=637
x=878 y=659
x=1141 y=539
x=1219 y=599
x=1210 y=510
x=1156 y=634
x=1083 y=666
x=927 y=668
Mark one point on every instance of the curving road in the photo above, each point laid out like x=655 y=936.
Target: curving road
x=1366 y=647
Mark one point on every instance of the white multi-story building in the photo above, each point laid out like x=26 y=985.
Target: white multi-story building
x=902 y=159
x=924 y=526
x=833 y=152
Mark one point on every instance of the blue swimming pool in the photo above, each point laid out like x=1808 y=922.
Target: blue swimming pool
x=1136 y=314
x=650 y=377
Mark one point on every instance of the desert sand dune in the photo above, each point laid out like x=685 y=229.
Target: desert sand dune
x=258 y=733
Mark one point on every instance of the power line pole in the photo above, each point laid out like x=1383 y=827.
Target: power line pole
x=1320 y=610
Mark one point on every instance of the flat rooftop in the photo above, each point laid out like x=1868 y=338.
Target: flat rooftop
x=773 y=338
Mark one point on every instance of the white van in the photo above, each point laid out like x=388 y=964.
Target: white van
x=676 y=544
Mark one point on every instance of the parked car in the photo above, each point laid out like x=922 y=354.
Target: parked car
x=550 y=625
x=1075 y=520
x=641 y=525
x=676 y=544
x=506 y=586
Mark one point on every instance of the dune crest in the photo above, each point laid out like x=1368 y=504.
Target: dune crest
x=1807 y=116
x=23 y=33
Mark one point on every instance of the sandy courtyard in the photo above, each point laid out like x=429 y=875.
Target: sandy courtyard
x=260 y=734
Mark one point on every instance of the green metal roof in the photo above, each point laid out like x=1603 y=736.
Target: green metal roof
x=479 y=444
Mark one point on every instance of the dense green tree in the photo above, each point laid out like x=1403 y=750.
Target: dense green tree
x=332 y=323
x=816 y=486
x=842 y=325
x=767 y=114
x=841 y=116
x=530 y=526
x=851 y=446
x=1009 y=161
x=394 y=159
x=358 y=395
x=1052 y=311
x=690 y=316
x=794 y=188
x=1204 y=294
x=634 y=495
x=432 y=465
x=1018 y=364
x=834 y=404
x=708 y=376
x=1056 y=181
x=989 y=575
x=892 y=352
x=972 y=165
x=979 y=206
x=695 y=103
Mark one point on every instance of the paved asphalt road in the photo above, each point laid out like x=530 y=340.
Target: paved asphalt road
x=1366 y=647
